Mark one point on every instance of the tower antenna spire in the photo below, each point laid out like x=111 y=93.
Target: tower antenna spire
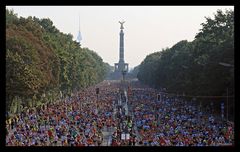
x=79 y=22
x=79 y=38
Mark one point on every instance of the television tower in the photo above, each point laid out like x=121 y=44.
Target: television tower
x=79 y=37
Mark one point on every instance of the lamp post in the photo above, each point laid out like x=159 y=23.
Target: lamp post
x=226 y=64
x=231 y=66
x=227 y=104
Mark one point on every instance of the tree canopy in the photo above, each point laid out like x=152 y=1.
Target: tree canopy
x=195 y=67
x=40 y=59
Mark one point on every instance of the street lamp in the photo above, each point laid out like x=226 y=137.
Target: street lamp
x=184 y=66
x=226 y=65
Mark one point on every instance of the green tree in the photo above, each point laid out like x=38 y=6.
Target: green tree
x=42 y=60
x=193 y=67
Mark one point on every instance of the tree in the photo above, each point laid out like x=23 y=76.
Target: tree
x=40 y=59
x=193 y=67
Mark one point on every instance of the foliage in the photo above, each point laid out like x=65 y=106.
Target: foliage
x=40 y=59
x=134 y=72
x=193 y=67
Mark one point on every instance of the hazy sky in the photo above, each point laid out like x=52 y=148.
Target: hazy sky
x=147 y=28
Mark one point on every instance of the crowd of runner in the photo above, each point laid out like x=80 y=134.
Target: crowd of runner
x=175 y=122
x=74 y=121
x=82 y=119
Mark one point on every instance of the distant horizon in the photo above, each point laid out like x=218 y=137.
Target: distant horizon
x=147 y=29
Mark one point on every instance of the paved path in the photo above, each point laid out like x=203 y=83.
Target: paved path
x=107 y=136
x=135 y=126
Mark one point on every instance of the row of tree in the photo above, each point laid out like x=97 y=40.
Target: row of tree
x=43 y=63
x=201 y=67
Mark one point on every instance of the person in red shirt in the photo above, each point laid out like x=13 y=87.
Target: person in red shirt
x=114 y=143
x=50 y=133
x=186 y=141
x=162 y=141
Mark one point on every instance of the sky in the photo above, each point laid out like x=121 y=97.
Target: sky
x=147 y=29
